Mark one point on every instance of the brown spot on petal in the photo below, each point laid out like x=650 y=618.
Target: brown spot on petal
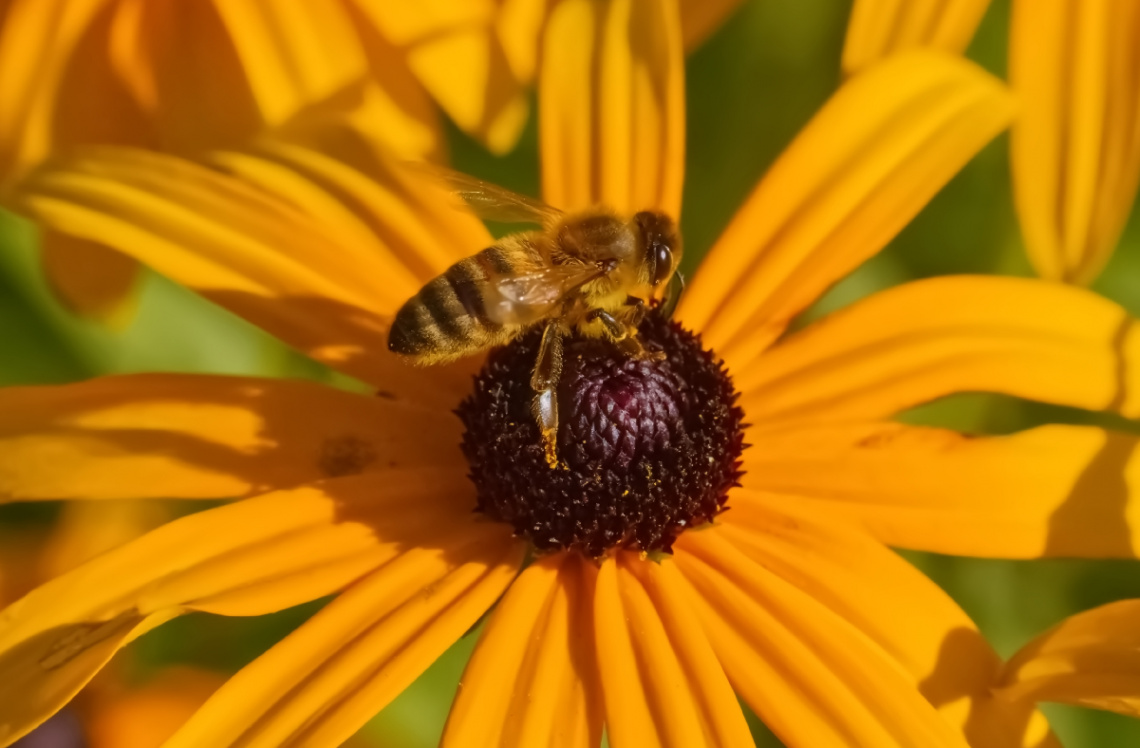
x=345 y=455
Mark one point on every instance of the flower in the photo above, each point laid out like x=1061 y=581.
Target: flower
x=199 y=74
x=791 y=599
x=1075 y=148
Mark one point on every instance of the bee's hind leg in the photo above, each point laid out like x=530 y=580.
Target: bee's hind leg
x=544 y=381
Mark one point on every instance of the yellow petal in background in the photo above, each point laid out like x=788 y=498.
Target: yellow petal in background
x=532 y=679
x=90 y=279
x=701 y=18
x=1091 y=659
x=929 y=338
x=893 y=603
x=199 y=437
x=810 y=675
x=662 y=683
x=293 y=54
x=1076 y=143
x=248 y=558
x=257 y=253
x=880 y=148
x=611 y=106
x=1058 y=491
x=321 y=683
x=36 y=41
x=454 y=48
x=880 y=28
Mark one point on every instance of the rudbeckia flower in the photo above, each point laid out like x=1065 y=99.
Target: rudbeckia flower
x=199 y=74
x=645 y=613
x=1076 y=141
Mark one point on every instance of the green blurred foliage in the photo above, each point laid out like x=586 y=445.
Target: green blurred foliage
x=750 y=89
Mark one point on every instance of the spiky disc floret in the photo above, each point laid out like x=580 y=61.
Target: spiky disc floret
x=647 y=448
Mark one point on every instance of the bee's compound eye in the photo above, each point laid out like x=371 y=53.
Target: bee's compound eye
x=663 y=267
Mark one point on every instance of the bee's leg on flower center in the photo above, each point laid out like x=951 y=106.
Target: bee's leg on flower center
x=544 y=381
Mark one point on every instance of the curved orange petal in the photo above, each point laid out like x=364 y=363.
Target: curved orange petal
x=1049 y=491
x=701 y=18
x=661 y=681
x=1076 y=145
x=90 y=279
x=37 y=39
x=532 y=680
x=247 y=558
x=857 y=173
x=454 y=48
x=893 y=603
x=810 y=675
x=284 y=48
x=929 y=338
x=200 y=437
x=283 y=257
x=321 y=683
x=611 y=103
x=1091 y=659
x=880 y=28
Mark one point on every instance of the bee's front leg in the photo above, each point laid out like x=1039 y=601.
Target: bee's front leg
x=544 y=381
x=625 y=336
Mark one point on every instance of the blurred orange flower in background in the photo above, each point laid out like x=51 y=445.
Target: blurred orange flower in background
x=187 y=75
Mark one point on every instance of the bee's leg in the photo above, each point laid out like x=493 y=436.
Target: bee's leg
x=544 y=381
x=635 y=310
x=624 y=336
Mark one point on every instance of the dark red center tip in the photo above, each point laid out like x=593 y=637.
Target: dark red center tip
x=646 y=447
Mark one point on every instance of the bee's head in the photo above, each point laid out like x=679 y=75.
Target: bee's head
x=660 y=244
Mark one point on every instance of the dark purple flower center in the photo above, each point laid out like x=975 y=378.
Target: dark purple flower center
x=646 y=447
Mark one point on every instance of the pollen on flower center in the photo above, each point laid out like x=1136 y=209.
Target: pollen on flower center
x=646 y=447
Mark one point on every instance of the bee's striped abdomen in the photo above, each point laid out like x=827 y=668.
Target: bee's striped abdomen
x=447 y=319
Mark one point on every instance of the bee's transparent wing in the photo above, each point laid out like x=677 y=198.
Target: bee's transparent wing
x=528 y=297
x=490 y=201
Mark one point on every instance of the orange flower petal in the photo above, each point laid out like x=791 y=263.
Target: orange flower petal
x=36 y=41
x=701 y=18
x=893 y=603
x=181 y=62
x=930 y=338
x=662 y=684
x=282 y=265
x=321 y=683
x=144 y=716
x=810 y=675
x=193 y=436
x=532 y=680
x=612 y=106
x=857 y=173
x=880 y=28
x=454 y=47
x=90 y=279
x=1049 y=491
x=247 y=558
x=1091 y=659
x=1076 y=146
x=284 y=51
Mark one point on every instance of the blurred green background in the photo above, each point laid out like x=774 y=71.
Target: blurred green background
x=750 y=88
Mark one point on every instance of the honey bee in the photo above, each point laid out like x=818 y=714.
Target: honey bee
x=592 y=272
